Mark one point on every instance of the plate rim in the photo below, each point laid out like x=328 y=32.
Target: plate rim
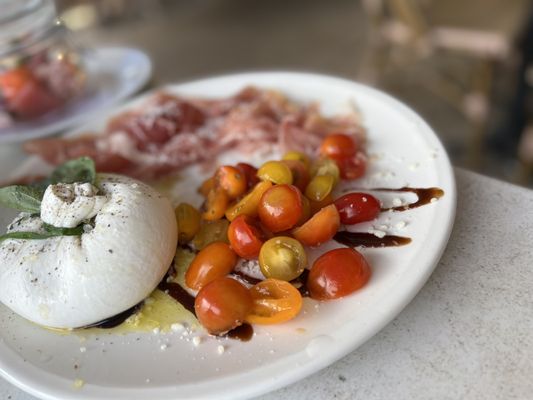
x=402 y=299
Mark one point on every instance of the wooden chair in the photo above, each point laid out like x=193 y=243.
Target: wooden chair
x=406 y=33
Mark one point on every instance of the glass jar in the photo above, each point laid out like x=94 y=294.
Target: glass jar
x=40 y=68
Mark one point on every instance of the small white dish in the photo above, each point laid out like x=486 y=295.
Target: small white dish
x=403 y=151
x=114 y=73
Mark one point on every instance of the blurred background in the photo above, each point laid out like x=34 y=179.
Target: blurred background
x=464 y=65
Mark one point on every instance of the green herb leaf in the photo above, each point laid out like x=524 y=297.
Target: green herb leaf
x=78 y=170
x=22 y=198
x=51 y=231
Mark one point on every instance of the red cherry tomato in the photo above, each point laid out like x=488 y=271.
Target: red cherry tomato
x=338 y=273
x=213 y=261
x=250 y=172
x=244 y=237
x=320 y=228
x=280 y=207
x=338 y=145
x=357 y=207
x=222 y=305
x=352 y=168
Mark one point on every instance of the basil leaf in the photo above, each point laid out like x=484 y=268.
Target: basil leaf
x=78 y=170
x=51 y=231
x=22 y=198
x=54 y=230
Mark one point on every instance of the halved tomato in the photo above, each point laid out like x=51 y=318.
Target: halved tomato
x=320 y=228
x=274 y=302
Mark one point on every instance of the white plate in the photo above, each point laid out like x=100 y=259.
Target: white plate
x=114 y=73
x=404 y=150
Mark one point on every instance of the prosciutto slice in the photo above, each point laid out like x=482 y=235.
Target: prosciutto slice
x=167 y=132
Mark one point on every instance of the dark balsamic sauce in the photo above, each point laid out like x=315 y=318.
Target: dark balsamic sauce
x=179 y=294
x=354 y=239
x=116 y=320
x=246 y=278
x=425 y=196
x=244 y=333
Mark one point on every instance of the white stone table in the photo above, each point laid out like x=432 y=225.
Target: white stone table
x=468 y=334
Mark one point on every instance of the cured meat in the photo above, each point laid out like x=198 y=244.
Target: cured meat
x=167 y=133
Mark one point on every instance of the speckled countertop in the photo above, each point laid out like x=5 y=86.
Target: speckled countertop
x=468 y=334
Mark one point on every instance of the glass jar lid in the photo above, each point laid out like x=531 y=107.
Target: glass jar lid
x=22 y=22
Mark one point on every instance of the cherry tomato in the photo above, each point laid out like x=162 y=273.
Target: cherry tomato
x=248 y=204
x=320 y=187
x=280 y=208
x=357 y=207
x=25 y=95
x=276 y=172
x=274 y=301
x=213 y=261
x=325 y=166
x=299 y=156
x=338 y=273
x=250 y=172
x=300 y=173
x=214 y=231
x=222 y=305
x=306 y=211
x=207 y=186
x=216 y=204
x=245 y=237
x=188 y=219
x=316 y=206
x=320 y=228
x=282 y=258
x=232 y=180
x=352 y=168
x=338 y=145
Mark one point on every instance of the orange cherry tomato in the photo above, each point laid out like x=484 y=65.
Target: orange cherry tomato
x=213 y=261
x=338 y=145
x=274 y=302
x=222 y=305
x=244 y=237
x=207 y=186
x=357 y=207
x=232 y=180
x=280 y=207
x=320 y=228
x=216 y=204
x=352 y=168
x=300 y=173
x=248 y=204
x=250 y=172
x=338 y=273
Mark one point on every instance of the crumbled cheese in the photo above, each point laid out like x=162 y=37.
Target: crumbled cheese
x=163 y=347
x=177 y=327
x=221 y=349
x=433 y=200
x=156 y=331
x=396 y=202
x=400 y=225
x=83 y=349
x=196 y=341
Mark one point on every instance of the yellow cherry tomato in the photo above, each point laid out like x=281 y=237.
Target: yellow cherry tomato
x=188 y=219
x=275 y=171
x=282 y=257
